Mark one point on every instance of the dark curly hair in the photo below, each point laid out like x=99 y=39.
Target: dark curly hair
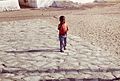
x=62 y=19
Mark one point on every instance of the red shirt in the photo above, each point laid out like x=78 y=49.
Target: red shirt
x=63 y=28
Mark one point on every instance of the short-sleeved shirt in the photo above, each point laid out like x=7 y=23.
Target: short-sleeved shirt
x=63 y=28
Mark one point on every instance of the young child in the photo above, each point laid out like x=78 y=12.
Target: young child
x=63 y=29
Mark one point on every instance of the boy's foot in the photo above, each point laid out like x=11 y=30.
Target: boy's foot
x=64 y=48
x=61 y=51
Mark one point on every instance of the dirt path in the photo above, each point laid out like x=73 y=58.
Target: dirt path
x=99 y=25
x=29 y=51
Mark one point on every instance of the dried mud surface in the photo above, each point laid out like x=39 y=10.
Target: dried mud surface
x=99 y=25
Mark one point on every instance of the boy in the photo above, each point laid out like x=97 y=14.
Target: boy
x=63 y=29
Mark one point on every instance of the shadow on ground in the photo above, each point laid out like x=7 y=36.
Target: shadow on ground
x=85 y=79
x=19 y=69
x=27 y=71
x=39 y=50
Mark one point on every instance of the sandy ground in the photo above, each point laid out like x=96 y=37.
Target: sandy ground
x=98 y=25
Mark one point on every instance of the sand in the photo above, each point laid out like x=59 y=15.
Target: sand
x=98 y=25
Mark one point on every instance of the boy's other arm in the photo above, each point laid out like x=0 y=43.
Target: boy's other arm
x=59 y=27
x=67 y=28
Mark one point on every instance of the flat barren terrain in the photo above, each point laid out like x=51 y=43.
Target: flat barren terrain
x=29 y=45
x=98 y=24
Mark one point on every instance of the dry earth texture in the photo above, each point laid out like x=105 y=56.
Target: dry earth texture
x=97 y=23
x=101 y=26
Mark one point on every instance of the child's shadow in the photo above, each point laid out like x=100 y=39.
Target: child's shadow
x=38 y=50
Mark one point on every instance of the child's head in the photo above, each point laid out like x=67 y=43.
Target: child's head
x=62 y=19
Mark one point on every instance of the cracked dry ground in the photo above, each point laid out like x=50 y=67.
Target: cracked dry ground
x=29 y=51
